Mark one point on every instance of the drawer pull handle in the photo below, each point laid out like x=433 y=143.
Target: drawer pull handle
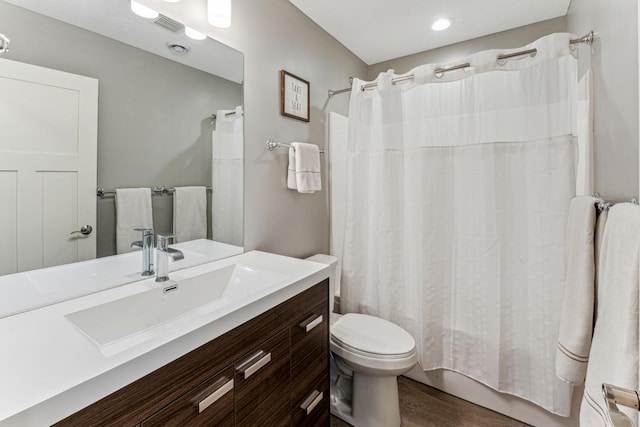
x=215 y=396
x=256 y=362
x=312 y=401
x=309 y=325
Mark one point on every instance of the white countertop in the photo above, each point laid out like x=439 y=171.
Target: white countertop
x=49 y=369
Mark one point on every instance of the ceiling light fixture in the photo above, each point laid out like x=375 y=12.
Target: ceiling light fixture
x=172 y=1
x=441 y=24
x=194 y=34
x=143 y=11
x=219 y=13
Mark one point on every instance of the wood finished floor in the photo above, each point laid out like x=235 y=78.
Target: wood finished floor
x=423 y=406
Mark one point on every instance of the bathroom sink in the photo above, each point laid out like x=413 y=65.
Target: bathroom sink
x=97 y=274
x=169 y=305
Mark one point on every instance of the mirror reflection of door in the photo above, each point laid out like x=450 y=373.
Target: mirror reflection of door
x=48 y=143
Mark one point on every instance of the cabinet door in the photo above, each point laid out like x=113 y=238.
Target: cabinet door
x=209 y=404
x=309 y=335
x=262 y=384
x=313 y=410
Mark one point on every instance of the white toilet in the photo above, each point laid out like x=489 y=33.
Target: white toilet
x=368 y=354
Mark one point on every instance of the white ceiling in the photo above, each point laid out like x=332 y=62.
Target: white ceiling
x=380 y=30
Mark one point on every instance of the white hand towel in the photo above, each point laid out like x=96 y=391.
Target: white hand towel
x=304 y=168
x=133 y=210
x=189 y=213
x=613 y=358
x=576 y=322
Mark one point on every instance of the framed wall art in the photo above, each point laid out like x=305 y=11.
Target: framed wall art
x=294 y=96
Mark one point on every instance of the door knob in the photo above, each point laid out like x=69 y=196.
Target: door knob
x=86 y=230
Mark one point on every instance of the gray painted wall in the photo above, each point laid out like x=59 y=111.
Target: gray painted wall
x=614 y=60
x=275 y=35
x=153 y=126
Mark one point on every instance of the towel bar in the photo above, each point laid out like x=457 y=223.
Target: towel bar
x=604 y=206
x=272 y=145
x=615 y=396
x=101 y=192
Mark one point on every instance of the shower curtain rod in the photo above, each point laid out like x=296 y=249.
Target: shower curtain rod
x=501 y=59
x=336 y=92
x=213 y=117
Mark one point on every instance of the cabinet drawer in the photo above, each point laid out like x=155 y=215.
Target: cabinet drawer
x=262 y=383
x=305 y=375
x=210 y=403
x=313 y=410
x=309 y=334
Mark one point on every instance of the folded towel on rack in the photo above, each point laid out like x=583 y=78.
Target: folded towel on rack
x=304 y=168
x=133 y=210
x=189 y=213
x=576 y=322
x=613 y=358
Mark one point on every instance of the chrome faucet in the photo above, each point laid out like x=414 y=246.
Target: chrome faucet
x=147 y=250
x=163 y=253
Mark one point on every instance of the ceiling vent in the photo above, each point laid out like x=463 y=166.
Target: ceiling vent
x=168 y=24
x=178 y=48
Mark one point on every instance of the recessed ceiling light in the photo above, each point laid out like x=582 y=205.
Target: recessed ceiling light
x=194 y=34
x=441 y=24
x=172 y=1
x=219 y=13
x=143 y=11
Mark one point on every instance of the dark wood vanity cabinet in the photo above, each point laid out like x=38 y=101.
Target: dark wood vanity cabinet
x=270 y=371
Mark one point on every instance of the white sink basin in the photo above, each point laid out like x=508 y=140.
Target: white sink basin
x=96 y=275
x=139 y=317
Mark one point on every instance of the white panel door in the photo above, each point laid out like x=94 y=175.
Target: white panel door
x=48 y=160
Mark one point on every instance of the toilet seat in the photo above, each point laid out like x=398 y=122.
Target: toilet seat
x=372 y=337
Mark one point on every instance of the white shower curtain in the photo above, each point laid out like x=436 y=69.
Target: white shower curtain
x=457 y=198
x=227 y=180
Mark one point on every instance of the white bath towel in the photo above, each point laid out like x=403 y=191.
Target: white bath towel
x=601 y=223
x=189 y=213
x=613 y=358
x=133 y=210
x=576 y=322
x=304 y=168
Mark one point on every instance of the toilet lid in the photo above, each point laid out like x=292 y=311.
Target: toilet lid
x=372 y=335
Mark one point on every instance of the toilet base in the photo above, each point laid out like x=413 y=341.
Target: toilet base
x=341 y=390
x=375 y=401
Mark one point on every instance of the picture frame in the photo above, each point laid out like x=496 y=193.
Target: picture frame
x=294 y=96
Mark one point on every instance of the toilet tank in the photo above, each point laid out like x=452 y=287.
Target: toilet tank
x=332 y=262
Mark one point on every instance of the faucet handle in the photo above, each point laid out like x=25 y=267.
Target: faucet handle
x=163 y=239
x=145 y=231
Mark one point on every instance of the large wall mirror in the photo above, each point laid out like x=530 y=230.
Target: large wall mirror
x=169 y=114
